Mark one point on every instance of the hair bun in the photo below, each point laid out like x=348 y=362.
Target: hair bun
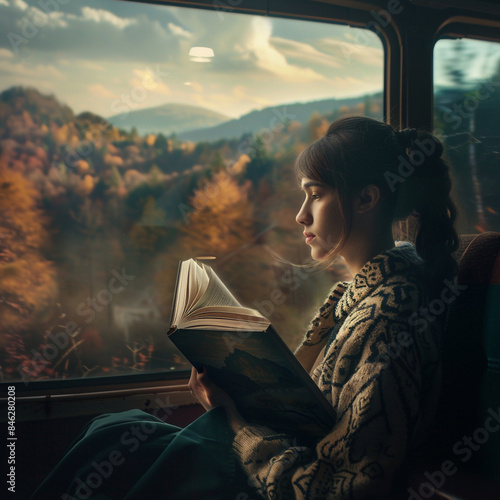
x=407 y=137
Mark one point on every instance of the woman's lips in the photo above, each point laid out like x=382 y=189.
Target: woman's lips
x=309 y=237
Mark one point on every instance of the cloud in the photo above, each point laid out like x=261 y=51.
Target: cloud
x=362 y=51
x=227 y=102
x=100 y=91
x=91 y=65
x=25 y=71
x=4 y=2
x=43 y=77
x=56 y=20
x=270 y=59
x=178 y=31
x=105 y=16
x=105 y=49
x=198 y=87
x=240 y=92
x=146 y=79
x=53 y=20
x=20 y=4
x=303 y=52
x=118 y=32
x=6 y=53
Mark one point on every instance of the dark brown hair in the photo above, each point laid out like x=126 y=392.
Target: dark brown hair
x=408 y=168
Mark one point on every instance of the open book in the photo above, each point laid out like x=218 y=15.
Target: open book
x=245 y=356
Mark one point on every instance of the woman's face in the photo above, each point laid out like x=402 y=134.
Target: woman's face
x=320 y=218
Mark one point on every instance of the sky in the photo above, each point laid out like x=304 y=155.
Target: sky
x=107 y=57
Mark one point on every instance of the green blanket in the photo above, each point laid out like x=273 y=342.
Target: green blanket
x=134 y=455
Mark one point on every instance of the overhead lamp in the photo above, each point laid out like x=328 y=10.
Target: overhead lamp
x=201 y=54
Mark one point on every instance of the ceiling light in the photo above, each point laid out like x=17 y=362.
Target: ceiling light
x=201 y=54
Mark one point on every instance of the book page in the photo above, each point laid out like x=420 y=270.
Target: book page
x=192 y=282
x=216 y=293
x=203 y=300
x=241 y=318
x=230 y=323
x=198 y=285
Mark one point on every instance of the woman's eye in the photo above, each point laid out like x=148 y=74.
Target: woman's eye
x=315 y=197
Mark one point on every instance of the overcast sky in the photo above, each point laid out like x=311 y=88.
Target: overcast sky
x=105 y=56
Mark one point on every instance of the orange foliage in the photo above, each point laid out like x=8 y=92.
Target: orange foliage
x=113 y=160
x=82 y=167
x=221 y=218
x=34 y=163
x=27 y=280
x=85 y=186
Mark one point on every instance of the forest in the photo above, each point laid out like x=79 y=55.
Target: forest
x=94 y=220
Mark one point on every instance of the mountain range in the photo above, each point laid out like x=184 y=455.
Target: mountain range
x=195 y=123
x=271 y=117
x=167 y=119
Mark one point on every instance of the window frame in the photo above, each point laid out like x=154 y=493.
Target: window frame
x=408 y=81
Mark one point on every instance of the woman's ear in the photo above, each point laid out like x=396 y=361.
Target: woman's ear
x=367 y=199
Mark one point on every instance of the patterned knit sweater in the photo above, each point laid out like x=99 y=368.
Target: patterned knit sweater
x=381 y=373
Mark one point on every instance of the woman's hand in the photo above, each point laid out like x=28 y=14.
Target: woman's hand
x=206 y=392
x=211 y=396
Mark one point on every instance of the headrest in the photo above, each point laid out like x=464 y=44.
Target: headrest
x=479 y=262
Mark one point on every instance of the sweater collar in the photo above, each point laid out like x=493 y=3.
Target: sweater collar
x=376 y=271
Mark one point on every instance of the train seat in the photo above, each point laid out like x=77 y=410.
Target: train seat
x=467 y=431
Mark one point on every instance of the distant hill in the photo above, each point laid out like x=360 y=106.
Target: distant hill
x=270 y=117
x=168 y=119
x=42 y=108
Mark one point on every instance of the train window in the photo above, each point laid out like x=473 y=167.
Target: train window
x=136 y=135
x=466 y=110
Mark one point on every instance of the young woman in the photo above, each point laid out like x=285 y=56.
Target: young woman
x=373 y=348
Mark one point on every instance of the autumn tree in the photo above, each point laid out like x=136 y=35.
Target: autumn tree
x=317 y=125
x=28 y=287
x=161 y=144
x=219 y=217
x=261 y=163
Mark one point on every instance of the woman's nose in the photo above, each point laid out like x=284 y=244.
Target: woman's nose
x=303 y=217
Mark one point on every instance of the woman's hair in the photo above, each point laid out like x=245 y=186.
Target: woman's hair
x=407 y=167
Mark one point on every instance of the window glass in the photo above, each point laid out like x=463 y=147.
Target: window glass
x=133 y=136
x=466 y=110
